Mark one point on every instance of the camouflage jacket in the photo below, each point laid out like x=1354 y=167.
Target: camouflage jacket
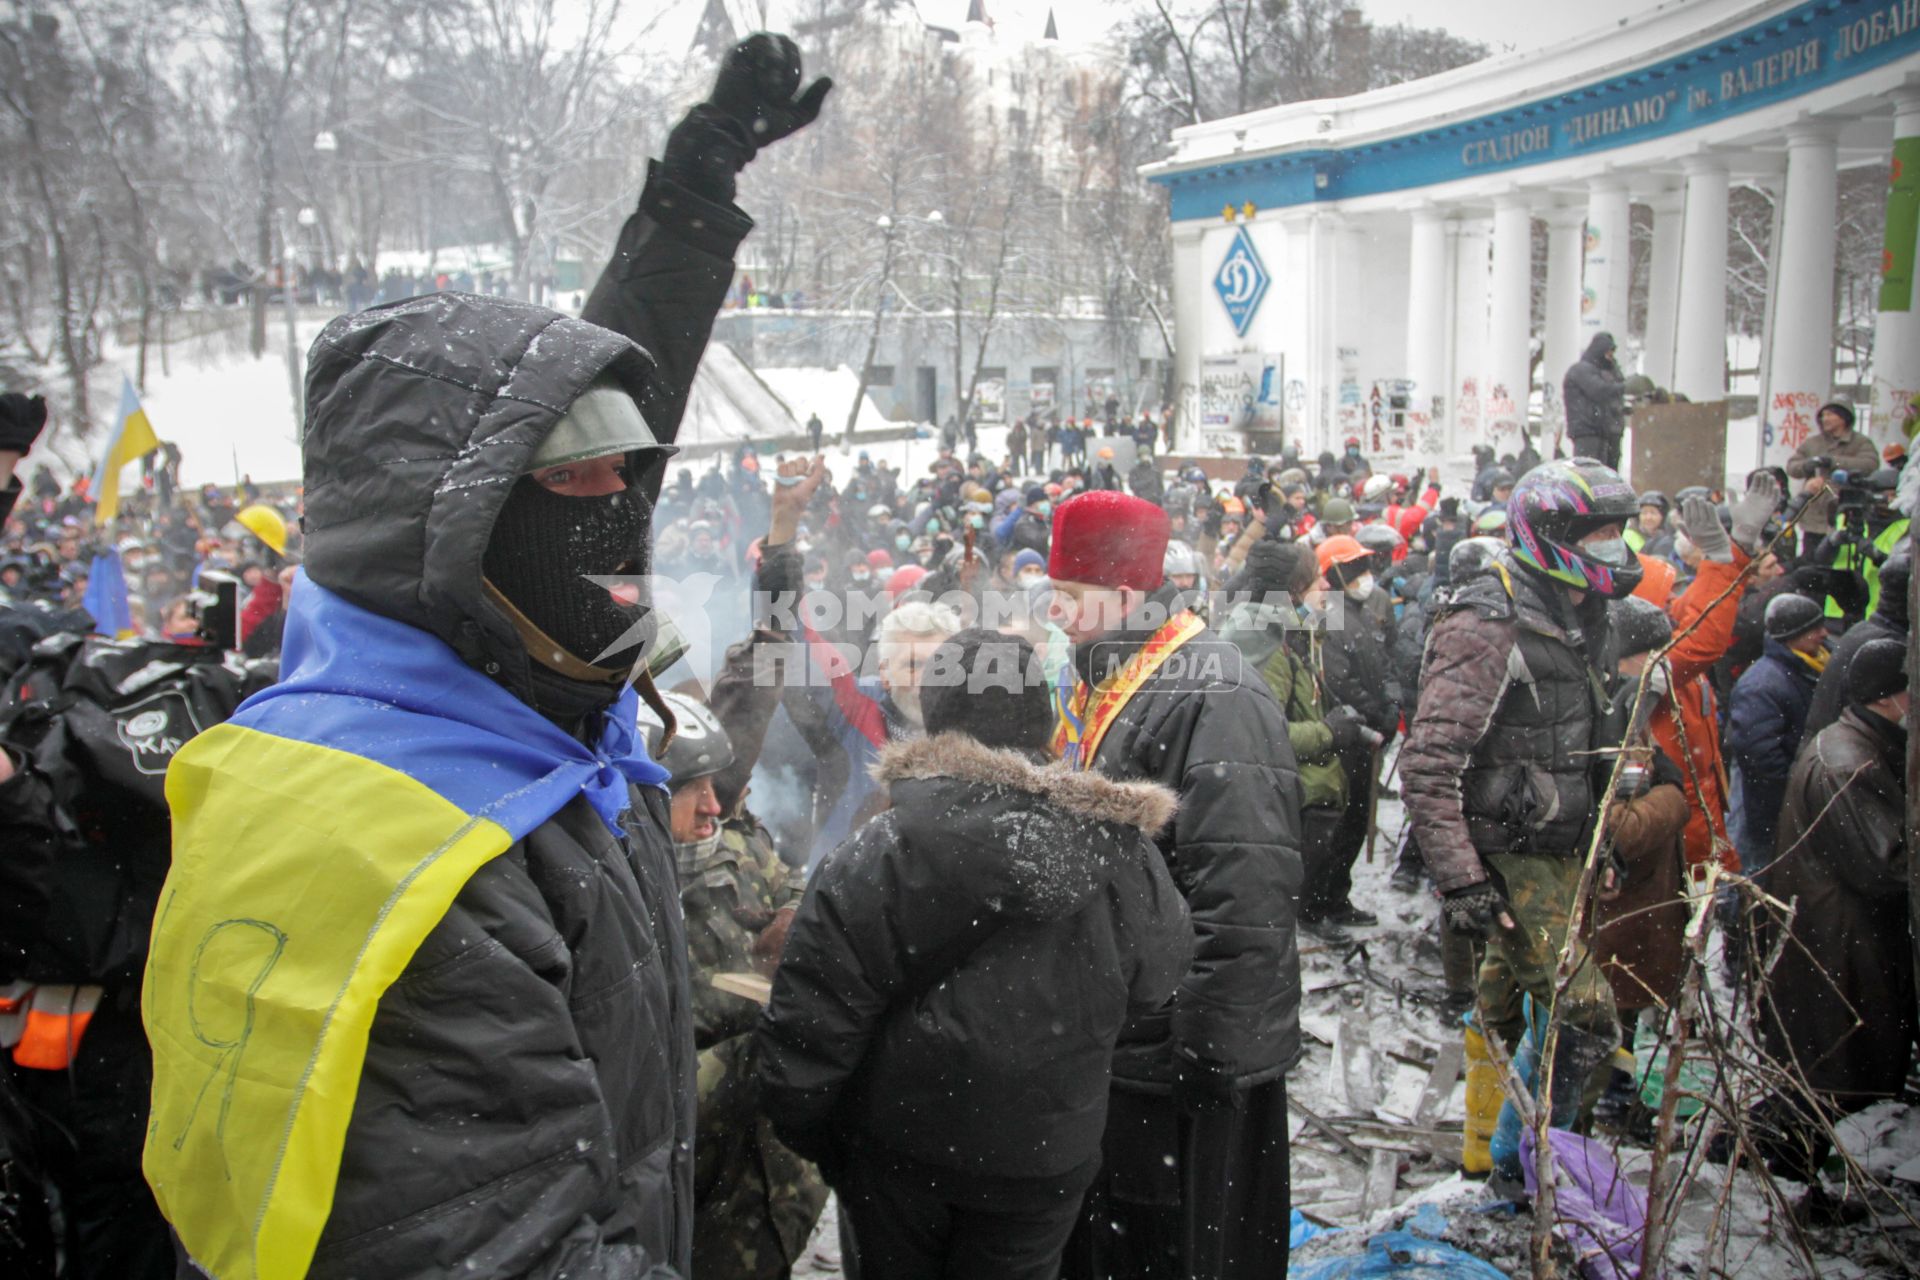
x=755 y=1202
x=729 y=893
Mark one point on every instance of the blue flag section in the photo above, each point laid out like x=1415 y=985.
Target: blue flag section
x=106 y=597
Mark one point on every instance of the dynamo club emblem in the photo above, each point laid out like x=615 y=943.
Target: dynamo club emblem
x=1242 y=282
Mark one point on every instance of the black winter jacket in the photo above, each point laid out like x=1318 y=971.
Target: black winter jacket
x=958 y=971
x=526 y=1104
x=1595 y=393
x=93 y=724
x=1207 y=726
x=1840 y=1005
x=1359 y=670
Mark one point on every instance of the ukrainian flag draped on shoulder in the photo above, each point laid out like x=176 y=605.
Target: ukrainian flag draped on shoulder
x=319 y=836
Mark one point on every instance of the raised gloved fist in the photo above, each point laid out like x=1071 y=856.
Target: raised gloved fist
x=1700 y=521
x=757 y=87
x=21 y=418
x=1755 y=508
x=752 y=104
x=1477 y=909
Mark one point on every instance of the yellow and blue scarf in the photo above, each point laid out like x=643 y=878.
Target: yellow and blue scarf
x=319 y=836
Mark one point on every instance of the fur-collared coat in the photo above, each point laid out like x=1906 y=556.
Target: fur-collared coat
x=960 y=969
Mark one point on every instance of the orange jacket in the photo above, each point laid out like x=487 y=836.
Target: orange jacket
x=1690 y=711
x=1657 y=577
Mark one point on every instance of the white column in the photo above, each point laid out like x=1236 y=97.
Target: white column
x=1509 y=325
x=1663 y=288
x=1427 y=324
x=1323 y=241
x=1561 y=344
x=1800 y=344
x=1189 y=293
x=1605 y=277
x=1700 y=322
x=1471 y=283
x=1349 y=330
x=1896 y=334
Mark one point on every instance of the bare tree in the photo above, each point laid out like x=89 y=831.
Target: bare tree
x=35 y=91
x=266 y=43
x=518 y=92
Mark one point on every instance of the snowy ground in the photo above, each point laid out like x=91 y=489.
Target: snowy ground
x=1389 y=1031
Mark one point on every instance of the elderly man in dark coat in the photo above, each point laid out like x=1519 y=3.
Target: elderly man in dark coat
x=1838 y=1009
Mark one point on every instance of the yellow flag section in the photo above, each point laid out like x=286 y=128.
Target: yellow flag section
x=131 y=440
x=286 y=916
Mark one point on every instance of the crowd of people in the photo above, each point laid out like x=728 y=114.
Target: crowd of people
x=401 y=897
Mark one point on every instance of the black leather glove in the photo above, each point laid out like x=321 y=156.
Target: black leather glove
x=757 y=87
x=21 y=418
x=752 y=104
x=1475 y=909
x=1200 y=1086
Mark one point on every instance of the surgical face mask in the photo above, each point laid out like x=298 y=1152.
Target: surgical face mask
x=902 y=541
x=1043 y=509
x=1030 y=577
x=814 y=583
x=976 y=521
x=1611 y=552
x=1362 y=589
x=862 y=576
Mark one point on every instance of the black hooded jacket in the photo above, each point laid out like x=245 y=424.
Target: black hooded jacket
x=526 y=1103
x=959 y=970
x=1596 y=394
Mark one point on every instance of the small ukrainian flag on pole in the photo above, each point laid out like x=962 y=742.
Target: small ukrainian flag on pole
x=131 y=440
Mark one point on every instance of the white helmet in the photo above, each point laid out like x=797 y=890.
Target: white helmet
x=1376 y=489
x=1180 y=560
x=700 y=744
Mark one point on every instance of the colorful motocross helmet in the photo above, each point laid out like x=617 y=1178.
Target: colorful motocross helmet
x=1555 y=505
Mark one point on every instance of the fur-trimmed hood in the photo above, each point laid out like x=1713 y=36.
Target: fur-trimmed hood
x=1030 y=841
x=1146 y=805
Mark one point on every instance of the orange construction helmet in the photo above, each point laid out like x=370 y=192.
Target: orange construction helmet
x=1339 y=549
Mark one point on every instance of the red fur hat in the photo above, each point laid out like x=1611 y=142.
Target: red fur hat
x=1109 y=539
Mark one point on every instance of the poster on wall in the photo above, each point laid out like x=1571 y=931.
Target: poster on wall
x=1390 y=423
x=1240 y=393
x=1226 y=392
x=990 y=400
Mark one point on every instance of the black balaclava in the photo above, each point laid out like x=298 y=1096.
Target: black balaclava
x=544 y=548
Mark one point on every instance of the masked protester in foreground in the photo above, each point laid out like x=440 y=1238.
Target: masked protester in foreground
x=1195 y=1179
x=442 y=1020
x=1500 y=771
x=754 y=1201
